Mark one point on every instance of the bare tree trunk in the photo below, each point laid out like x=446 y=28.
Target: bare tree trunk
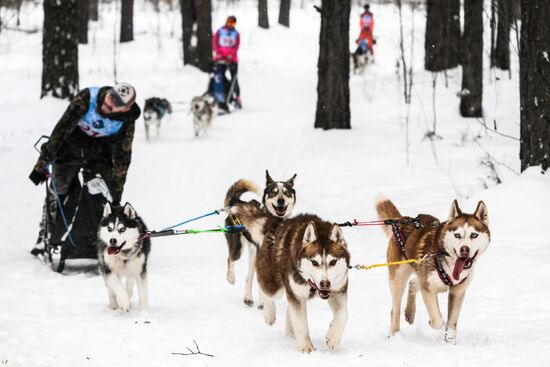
x=83 y=15
x=127 y=21
x=60 y=49
x=472 y=60
x=263 y=19
x=188 y=18
x=455 y=35
x=333 y=110
x=535 y=84
x=94 y=10
x=203 y=11
x=501 y=56
x=284 y=13
x=196 y=20
x=442 y=35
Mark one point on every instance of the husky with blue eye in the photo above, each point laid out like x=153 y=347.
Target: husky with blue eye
x=454 y=247
x=122 y=251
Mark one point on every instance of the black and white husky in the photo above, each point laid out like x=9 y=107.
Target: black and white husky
x=154 y=110
x=122 y=252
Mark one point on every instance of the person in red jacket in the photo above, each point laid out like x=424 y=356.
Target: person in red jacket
x=365 y=41
x=225 y=45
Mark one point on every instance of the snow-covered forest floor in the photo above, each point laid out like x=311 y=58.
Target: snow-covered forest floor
x=48 y=319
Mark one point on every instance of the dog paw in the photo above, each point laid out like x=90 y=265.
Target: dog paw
x=113 y=306
x=230 y=277
x=248 y=302
x=260 y=306
x=449 y=337
x=307 y=348
x=333 y=339
x=438 y=324
x=124 y=306
x=409 y=315
x=270 y=320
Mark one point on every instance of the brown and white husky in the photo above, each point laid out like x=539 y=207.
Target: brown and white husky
x=305 y=256
x=453 y=248
x=278 y=200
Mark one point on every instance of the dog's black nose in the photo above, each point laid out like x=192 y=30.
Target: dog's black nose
x=464 y=251
x=325 y=283
x=112 y=241
x=281 y=202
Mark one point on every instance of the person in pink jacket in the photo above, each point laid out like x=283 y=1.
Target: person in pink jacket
x=225 y=44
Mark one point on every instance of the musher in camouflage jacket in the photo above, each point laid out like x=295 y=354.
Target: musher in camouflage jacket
x=96 y=133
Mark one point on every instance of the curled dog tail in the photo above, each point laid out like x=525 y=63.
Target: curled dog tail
x=386 y=210
x=234 y=193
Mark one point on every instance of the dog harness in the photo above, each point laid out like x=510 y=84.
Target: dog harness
x=96 y=125
x=397 y=235
x=400 y=240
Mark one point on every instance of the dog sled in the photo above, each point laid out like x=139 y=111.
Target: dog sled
x=224 y=89
x=70 y=220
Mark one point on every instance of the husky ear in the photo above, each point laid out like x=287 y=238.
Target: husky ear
x=310 y=235
x=107 y=210
x=455 y=210
x=129 y=211
x=291 y=180
x=481 y=213
x=268 y=179
x=336 y=234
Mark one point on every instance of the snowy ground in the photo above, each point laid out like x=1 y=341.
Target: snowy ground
x=47 y=319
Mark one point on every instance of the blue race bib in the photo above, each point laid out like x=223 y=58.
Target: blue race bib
x=228 y=38
x=96 y=125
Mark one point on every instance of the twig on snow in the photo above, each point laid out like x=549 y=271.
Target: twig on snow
x=191 y=352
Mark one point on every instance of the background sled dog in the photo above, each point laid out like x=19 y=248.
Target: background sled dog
x=455 y=245
x=154 y=111
x=305 y=256
x=123 y=252
x=278 y=201
x=204 y=110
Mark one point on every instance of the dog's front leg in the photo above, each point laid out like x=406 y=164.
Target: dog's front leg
x=289 y=330
x=298 y=315
x=112 y=298
x=115 y=285
x=130 y=281
x=430 y=300
x=270 y=312
x=456 y=298
x=142 y=291
x=338 y=303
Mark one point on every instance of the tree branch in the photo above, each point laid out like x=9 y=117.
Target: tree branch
x=192 y=353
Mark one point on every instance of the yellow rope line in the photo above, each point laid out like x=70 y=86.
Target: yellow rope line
x=367 y=267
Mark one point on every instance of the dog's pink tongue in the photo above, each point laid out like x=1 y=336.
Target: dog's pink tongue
x=111 y=250
x=459 y=266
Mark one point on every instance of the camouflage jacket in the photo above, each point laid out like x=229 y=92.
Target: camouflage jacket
x=70 y=147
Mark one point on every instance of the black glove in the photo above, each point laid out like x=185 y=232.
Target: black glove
x=38 y=177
